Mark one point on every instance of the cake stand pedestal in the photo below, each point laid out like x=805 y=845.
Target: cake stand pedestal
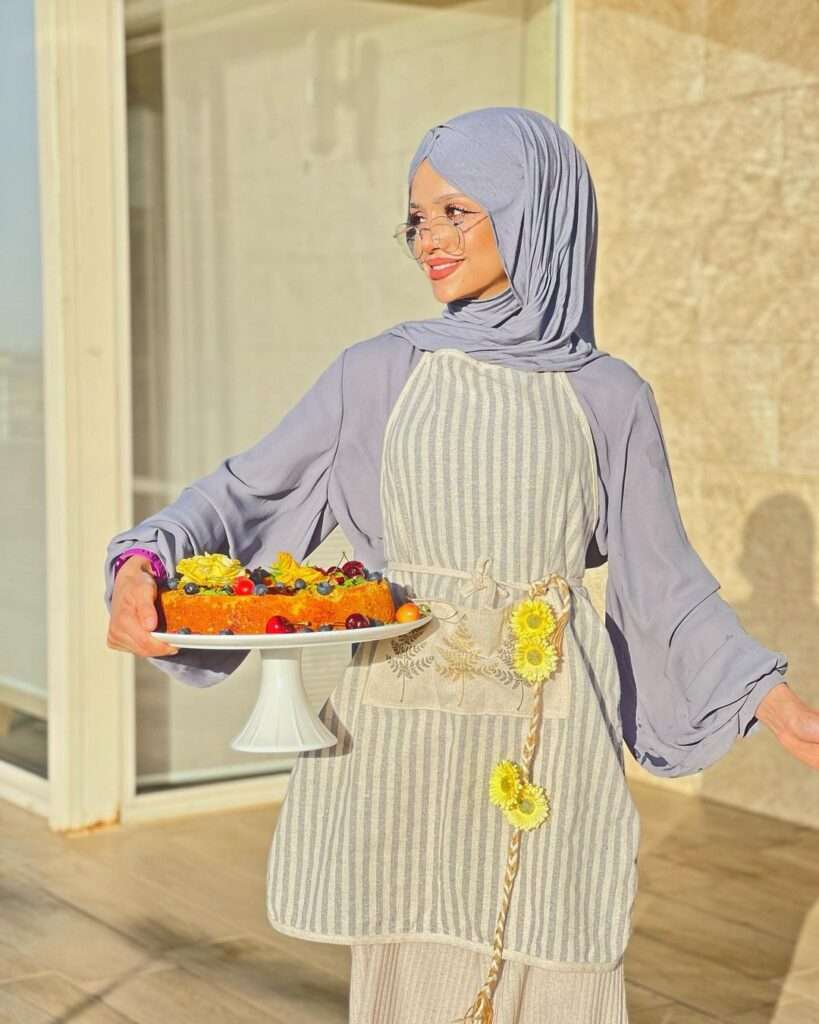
x=283 y=720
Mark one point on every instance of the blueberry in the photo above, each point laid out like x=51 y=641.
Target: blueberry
x=172 y=582
x=183 y=629
x=375 y=576
x=376 y=622
x=259 y=575
x=191 y=588
x=324 y=587
x=225 y=632
x=260 y=588
x=325 y=626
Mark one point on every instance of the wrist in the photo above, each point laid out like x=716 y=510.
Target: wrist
x=140 y=560
x=775 y=706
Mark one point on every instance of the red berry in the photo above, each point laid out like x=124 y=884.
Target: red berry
x=279 y=624
x=243 y=585
x=356 y=621
x=353 y=568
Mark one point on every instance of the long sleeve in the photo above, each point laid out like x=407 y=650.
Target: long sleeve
x=692 y=677
x=273 y=496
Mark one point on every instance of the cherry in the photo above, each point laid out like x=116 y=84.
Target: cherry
x=279 y=624
x=243 y=585
x=356 y=621
x=353 y=568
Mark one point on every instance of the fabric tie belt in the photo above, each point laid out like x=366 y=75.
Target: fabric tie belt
x=481 y=579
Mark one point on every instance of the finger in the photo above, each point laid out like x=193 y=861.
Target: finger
x=138 y=640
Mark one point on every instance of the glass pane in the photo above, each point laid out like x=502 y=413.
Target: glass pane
x=23 y=684
x=268 y=153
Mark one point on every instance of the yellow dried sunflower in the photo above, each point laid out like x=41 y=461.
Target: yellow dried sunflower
x=532 y=618
x=535 y=659
x=505 y=784
x=531 y=809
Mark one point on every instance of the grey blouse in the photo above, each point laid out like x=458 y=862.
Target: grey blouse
x=691 y=677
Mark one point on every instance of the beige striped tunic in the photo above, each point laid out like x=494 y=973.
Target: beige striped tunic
x=489 y=472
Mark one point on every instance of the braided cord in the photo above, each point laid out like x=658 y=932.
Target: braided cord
x=482 y=1010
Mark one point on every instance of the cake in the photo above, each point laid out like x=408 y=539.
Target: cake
x=216 y=594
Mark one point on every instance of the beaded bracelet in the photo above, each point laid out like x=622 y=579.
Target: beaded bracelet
x=157 y=565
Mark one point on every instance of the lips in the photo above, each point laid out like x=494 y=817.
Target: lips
x=439 y=269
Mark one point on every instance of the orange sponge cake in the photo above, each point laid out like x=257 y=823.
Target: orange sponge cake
x=217 y=594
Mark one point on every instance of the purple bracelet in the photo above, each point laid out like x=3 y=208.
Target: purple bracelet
x=157 y=565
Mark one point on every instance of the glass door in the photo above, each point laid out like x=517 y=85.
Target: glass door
x=23 y=614
x=268 y=146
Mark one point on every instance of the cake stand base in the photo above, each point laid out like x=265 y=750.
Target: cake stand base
x=282 y=720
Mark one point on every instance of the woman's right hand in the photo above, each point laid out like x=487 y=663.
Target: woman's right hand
x=133 y=611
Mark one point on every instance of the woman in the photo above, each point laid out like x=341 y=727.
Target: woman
x=483 y=459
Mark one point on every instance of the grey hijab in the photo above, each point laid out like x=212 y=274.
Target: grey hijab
x=535 y=185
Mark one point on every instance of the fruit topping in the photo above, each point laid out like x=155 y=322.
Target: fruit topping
x=325 y=627
x=353 y=568
x=279 y=624
x=191 y=588
x=183 y=629
x=260 y=588
x=407 y=612
x=225 y=632
x=356 y=621
x=244 y=585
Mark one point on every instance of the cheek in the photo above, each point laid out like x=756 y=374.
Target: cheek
x=482 y=249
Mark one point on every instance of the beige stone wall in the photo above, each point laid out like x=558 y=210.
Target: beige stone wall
x=700 y=123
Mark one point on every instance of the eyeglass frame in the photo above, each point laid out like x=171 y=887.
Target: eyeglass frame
x=421 y=227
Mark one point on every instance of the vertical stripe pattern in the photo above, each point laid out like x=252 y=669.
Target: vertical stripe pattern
x=410 y=982
x=390 y=833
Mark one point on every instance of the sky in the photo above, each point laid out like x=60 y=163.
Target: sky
x=20 y=279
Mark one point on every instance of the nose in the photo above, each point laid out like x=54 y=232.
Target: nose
x=427 y=243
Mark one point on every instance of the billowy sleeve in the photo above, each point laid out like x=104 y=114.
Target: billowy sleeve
x=692 y=677
x=272 y=497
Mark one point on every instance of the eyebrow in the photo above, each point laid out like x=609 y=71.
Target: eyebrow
x=447 y=195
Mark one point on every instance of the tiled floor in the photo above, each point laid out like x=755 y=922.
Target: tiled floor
x=163 y=923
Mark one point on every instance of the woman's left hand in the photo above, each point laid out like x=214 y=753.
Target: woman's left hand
x=794 y=723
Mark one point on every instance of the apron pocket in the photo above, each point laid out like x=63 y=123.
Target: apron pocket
x=461 y=661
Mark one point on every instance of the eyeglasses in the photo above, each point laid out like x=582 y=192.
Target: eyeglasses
x=445 y=233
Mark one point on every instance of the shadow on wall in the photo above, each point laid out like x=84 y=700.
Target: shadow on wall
x=778 y=561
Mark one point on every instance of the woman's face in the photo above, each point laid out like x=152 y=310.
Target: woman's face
x=477 y=271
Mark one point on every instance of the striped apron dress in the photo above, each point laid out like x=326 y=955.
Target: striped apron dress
x=388 y=841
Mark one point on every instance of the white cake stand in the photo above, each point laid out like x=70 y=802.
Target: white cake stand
x=283 y=720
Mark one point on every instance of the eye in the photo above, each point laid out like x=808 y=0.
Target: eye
x=460 y=211
x=454 y=211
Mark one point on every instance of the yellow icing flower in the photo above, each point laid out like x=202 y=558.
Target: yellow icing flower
x=532 y=618
x=531 y=809
x=287 y=570
x=505 y=784
x=535 y=659
x=209 y=570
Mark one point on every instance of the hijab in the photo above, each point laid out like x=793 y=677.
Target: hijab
x=534 y=183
